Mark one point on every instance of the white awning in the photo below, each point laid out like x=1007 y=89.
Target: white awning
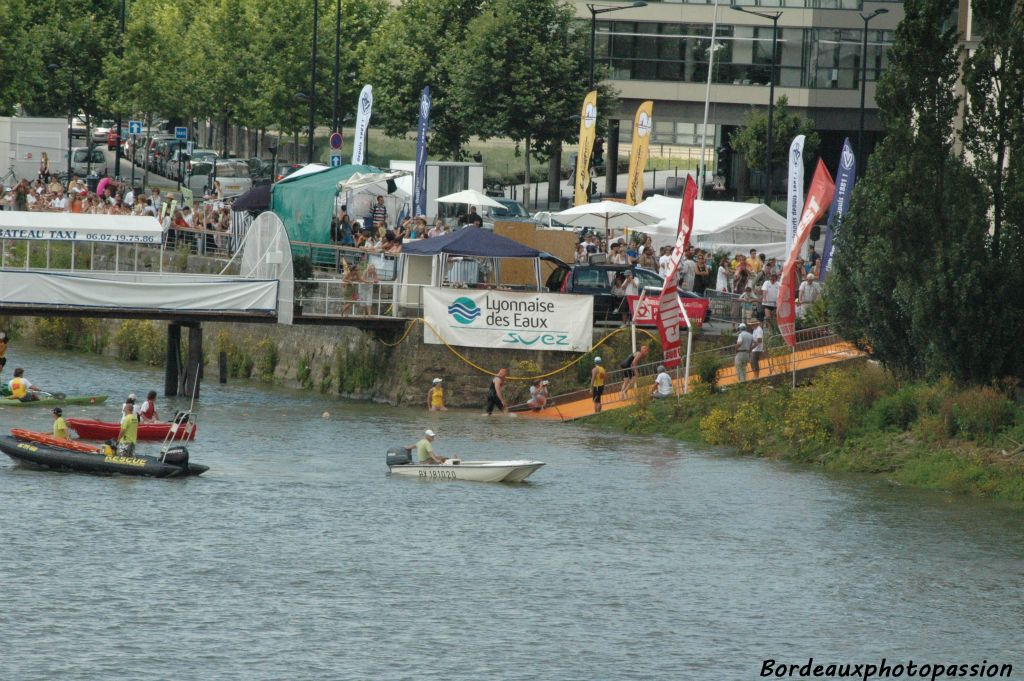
x=113 y=229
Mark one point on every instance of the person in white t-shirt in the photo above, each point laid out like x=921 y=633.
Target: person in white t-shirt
x=770 y=296
x=687 y=273
x=757 y=348
x=662 y=384
x=665 y=261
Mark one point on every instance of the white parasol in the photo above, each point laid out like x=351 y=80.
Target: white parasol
x=470 y=197
x=607 y=214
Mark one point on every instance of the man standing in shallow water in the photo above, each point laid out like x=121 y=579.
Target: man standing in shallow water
x=496 y=392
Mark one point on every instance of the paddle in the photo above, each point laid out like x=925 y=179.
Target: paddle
x=56 y=396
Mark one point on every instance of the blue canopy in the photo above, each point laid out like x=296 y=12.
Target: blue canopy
x=471 y=241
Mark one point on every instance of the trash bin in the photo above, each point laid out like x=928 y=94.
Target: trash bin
x=91 y=182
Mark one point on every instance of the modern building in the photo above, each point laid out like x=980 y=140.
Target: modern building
x=660 y=52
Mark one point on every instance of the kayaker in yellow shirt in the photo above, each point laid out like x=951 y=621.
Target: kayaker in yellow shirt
x=128 y=436
x=21 y=388
x=435 y=397
x=60 y=428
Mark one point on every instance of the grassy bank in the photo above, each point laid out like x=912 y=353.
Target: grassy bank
x=929 y=435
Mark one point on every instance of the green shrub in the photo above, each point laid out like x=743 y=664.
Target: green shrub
x=141 y=340
x=266 y=359
x=707 y=367
x=894 y=412
x=981 y=413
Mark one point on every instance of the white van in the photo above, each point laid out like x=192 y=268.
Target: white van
x=85 y=159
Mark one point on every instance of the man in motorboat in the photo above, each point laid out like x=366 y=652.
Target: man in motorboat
x=425 y=453
x=147 y=412
x=21 y=388
x=128 y=436
x=60 y=428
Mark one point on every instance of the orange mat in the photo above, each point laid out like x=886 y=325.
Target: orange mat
x=828 y=354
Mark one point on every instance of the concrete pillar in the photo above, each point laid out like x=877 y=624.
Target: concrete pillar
x=555 y=179
x=611 y=158
x=194 y=365
x=172 y=360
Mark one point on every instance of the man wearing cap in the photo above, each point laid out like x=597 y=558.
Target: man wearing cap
x=597 y=375
x=662 y=384
x=60 y=428
x=425 y=453
x=809 y=291
x=538 y=395
x=756 y=348
x=435 y=397
x=128 y=435
x=744 y=342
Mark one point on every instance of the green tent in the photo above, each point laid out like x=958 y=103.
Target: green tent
x=306 y=204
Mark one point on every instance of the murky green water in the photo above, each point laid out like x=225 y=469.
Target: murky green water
x=296 y=557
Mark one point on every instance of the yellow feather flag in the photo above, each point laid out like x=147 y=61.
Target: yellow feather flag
x=642 y=125
x=588 y=130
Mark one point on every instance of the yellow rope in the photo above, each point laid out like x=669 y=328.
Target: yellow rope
x=465 y=359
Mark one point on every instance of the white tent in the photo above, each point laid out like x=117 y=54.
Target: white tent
x=727 y=225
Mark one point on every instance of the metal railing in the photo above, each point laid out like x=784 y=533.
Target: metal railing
x=778 y=359
x=80 y=256
x=335 y=258
x=339 y=298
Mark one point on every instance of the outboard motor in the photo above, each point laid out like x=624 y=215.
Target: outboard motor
x=399 y=456
x=176 y=455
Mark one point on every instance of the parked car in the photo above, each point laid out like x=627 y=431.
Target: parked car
x=99 y=133
x=112 y=139
x=88 y=159
x=197 y=178
x=156 y=143
x=286 y=169
x=259 y=170
x=233 y=177
x=596 y=281
x=181 y=158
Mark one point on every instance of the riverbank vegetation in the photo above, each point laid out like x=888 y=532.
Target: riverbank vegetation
x=930 y=435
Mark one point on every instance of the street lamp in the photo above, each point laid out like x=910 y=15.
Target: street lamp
x=337 y=62
x=774 y=18
x=861 y=161
x=602 y=9
x=120 y=53
x=312 y=84
x=54 y=68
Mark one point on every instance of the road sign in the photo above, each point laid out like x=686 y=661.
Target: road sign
x=134 y=127
x=181 y=133
x=335 y=160
x=336 y=140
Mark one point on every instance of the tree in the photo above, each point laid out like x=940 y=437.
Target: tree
x=994 y=117
x=749 y=139
x=75 y=36
x=521 y=71
x=15 y=46
x=912 y=274
x=413 y=47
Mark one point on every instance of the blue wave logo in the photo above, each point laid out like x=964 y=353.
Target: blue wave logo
x=464 y=310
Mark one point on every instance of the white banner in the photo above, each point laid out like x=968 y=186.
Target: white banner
x=107 y=229
x=172 y=292
x=362 y=125
x=514 y=321
x=794 y=189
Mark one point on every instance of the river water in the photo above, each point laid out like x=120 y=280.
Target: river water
x=296 y=557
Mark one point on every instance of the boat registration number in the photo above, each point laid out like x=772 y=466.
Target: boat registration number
x=437 y=473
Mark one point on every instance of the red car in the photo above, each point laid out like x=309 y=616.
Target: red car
x=112 y=139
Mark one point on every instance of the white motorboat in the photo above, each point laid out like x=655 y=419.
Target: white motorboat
x=479 y=471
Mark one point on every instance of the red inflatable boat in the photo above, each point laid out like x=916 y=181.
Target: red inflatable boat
x=89 y=429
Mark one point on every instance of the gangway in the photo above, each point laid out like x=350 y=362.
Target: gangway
x=815 y=348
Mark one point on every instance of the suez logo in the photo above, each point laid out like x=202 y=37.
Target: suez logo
x=464 y=311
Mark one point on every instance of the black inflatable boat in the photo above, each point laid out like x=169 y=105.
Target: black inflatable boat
x=173 y=463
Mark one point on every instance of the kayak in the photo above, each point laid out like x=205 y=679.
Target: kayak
x=51 y=441
x=90 y=429
x=172 y=464
x=53 y=401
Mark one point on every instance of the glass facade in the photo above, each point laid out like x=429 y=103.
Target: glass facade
x=826 y=58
